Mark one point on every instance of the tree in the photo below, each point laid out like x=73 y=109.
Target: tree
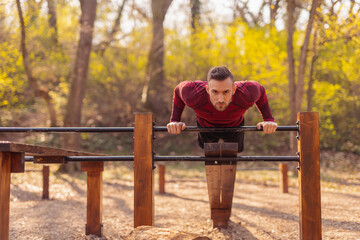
x=79 y=77
x=195 y=13
x=155 y=89
x=33 y=82
x=53 y=21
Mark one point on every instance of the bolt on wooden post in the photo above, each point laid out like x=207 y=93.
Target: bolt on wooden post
x=309 y=176
x=143 y=170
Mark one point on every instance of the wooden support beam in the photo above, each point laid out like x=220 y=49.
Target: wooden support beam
x=5 y=172
x=94 y=197
x=143 y=170
x=284 y=186
x=309 y=176
x=161 y=171
x=220 y=180
x=17 y=162
x=46 y=173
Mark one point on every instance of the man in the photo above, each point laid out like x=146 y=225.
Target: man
x=220 y=102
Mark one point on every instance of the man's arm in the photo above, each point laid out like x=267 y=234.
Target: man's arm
x=176 y=126
x=269 y=125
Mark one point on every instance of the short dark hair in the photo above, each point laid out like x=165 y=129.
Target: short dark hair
x=219 y=73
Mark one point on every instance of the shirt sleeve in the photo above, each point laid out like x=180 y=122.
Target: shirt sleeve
x=263 y=105
x=178 y=104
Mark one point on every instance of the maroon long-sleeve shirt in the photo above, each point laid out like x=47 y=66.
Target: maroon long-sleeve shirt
x=194 y=95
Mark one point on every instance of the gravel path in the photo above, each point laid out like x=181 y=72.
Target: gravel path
x=259 y=211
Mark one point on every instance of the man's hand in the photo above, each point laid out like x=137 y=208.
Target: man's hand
x=175 y=127
x=268 y=127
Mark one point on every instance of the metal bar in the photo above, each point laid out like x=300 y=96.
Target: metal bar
x=178 y=158
x=228 y=159
x=228 y=129
x=66 y=129
x=91 y=158
x=131 y=129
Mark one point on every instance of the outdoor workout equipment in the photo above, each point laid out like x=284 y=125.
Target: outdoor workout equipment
x=12 y=160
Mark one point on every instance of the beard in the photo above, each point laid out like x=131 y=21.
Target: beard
x=220 y=106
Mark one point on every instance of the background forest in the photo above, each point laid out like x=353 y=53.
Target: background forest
x=95 y=63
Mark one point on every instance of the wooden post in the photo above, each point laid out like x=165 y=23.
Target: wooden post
x=46 y=172
x=94 y=197
x=284 y=178
x=161 y=172
x=309 y=176
x=5 y=171
x=10 y=162
x=143 y=170
x=220 y=180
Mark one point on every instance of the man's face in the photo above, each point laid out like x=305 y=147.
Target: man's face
x=221 y=93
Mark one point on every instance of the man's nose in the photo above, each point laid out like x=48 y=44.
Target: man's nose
x=221 y=98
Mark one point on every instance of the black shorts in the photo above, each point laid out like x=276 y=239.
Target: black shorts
x=213 y=137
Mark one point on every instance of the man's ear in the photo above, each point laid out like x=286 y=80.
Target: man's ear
x=234 y=89
x=207 y=89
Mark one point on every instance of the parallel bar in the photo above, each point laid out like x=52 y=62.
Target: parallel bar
x=178 y=158
x=66 y=129
x=229 y=159
x=131 y=129
x=228 y=129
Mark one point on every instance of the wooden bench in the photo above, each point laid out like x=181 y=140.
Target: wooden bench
x=12 y=160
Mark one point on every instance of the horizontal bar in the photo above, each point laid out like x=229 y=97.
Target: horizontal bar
x=91 y=159
x=228 y=159
x=228 y=129
x=66 y=129
x=178 y=158
x=131 y=129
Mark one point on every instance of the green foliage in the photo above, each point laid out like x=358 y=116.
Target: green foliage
x=117 y=75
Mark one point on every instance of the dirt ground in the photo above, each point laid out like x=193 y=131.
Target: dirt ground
x=259 y=210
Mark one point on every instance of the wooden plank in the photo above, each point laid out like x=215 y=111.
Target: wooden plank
x=94 y=203
x=5 y=167
x=284 y=186
x=92 y=166
x=6 y=146
x=220 y=180
x=17 y=162
x=213 y=175
x=214 y=185
x=46 y=173
x=309 y=176
x=228 y=175
x=161 y=172
x=143 y=170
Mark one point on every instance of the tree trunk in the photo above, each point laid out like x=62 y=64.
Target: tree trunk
x=53 y=21
x=274 y=6
x=195 y=13
x=116 y=28
x=310 y=91
x=303 y=56
x=296 y=89
x=154 y=91
x=39 y=91
x=79 y=77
